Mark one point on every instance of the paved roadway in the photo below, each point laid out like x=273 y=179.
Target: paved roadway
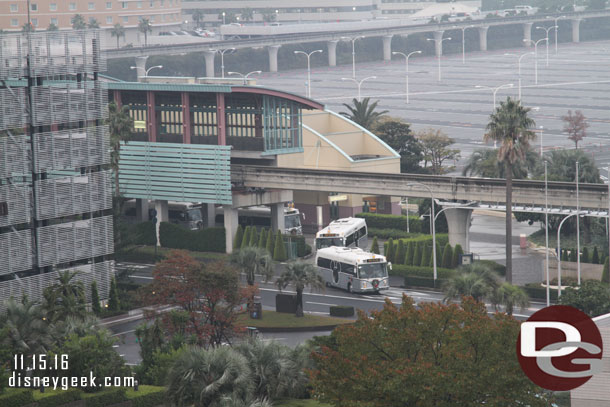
x=577 y=78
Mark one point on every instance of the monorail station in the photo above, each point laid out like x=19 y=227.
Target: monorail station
x=188 y=132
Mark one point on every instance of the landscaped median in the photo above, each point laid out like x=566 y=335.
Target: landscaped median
x=281 y=322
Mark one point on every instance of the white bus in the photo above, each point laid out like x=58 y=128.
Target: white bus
x=353 y=269
x=185 y=214
x=260 y=217
x=347 y=232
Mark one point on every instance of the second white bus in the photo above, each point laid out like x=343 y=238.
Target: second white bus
x=347 y=232
x=353 y=269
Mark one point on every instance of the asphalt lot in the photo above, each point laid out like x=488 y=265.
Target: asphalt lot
x=577 y=78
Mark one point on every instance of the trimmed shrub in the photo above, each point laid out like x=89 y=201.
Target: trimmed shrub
x=146 y=396
x=270 y=242
x=409 y=254
x=113 y=301
x=536 y=291
x=245 y=241
x=564 y=255
x=441 y=239
x=237 y=239
x=417 y=255
x=375 y=246
x=95 y=299
x=392 y=233
x=253 y=237
x=114 y=395
x=262 y=239
x=341 y=311
x=573 y=256
x=143 y=233
x=606 y=271
x=399 y=258
x=279 y=250
x=383 y=221
x=428 y=282
x=497 y=267
x=389 y=254
x=595 y=256
x=584 y=256
x=206 y=240
x=58 y=397
x=425 y=257
x=16 y=398
x=427 y=272
x=457 y=252
x=447 y=256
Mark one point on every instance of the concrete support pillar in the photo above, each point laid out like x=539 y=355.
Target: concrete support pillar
x=332 y=52
x=277 y=217
x=458 y=221
x=387 y=47
x=527 y=34
x=142 y=210
x=209 y=213
x=209 y=63
x=221 y=119
x=162 y=216
x=483 y=38
x=186 y=118
x=438 y=43
x=141 y=66
x=272 y=50
x=231 y=223
x=576 y=30
x=151 y=117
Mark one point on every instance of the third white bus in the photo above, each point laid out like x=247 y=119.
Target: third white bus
x=347 y=232
x=353 y=269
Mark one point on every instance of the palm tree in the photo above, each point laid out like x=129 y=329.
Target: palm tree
x=65 y=298
x=117 y=31
x=78 y=22
x=120 y=127
x=93 y=23
x=510 y=296
x=202 y=378
x=26 y=327
x=300 y=274
x=484 y=163
x=476 y=280
x=510 y=126
x=269 y=365
x=252 y=261
x=362 y=113
x=144 y=27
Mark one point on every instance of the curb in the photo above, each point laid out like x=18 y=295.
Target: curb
x=300 y=329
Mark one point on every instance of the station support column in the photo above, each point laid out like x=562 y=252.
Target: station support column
x=272 y=50
x=387 y=47
x=576 y=30
x=277 y=217
x=231 y=223
x=527 y=34
x=458 y=221
x=162 y=216
x=483 y=38
x=209 y=63
x=332 y=52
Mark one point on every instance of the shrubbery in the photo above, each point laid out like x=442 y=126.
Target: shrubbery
x=206 y=240
x=382 y=221
x=57 y=398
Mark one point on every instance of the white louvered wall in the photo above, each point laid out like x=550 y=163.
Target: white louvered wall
x=16 y=251
x=14 y=156
x=17 y=196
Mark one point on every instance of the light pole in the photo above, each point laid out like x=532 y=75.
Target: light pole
x=353 y=40
x=222 y=59
x=547 y=40
x=406 y=68
x=546 y=232
x=464 y=41
x=440 y=54
x=557 y=29
x=495 y=90
x=359 y=83
x=432 y=217
x=223 y=17
x=578 y=225
x=308 y=68
x=148 y=70
x=559 y=253
x=245 y=77
x=541 y=132
x=536 y=56
x=519 y=67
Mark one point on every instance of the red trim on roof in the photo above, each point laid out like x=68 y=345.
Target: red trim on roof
x=284 y=95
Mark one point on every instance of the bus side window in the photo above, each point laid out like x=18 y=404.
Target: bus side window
x=347 y=268
x=324 y=263
x=350 y=239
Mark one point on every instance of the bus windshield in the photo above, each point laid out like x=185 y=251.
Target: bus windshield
x=372 y=270
x=194 y=214
x=292 y=221
x=328 y=241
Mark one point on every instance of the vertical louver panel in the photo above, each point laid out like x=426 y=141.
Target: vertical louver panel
x=13 y=112
x=15 y=251
x=14 y=156
x=15 y=201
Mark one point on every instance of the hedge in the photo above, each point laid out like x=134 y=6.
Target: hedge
x=392 y=233
x=108 y=397
x=382 y=221
x=16 y=398
x=536 y=291
x=441 y=239
x=416 y=271
x=146 y=254
x=146 y=396
x=341 y=311
x=497 y=267
x=144 y=233
x=416 y=281
x=206 y=240
x=59 y=397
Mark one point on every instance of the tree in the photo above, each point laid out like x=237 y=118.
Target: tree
x=65 y=298
x=270 y=242
x=425 y=258
x=606 y=271
x=253 y=237
x=510 y=126
x=447 y=256
x=417 y=249
x=27 y=331
x=389 y=253
x=247 y=14
x=78 y=22
x=208 y=295
x=252 y=261
x=595 y=256
x=95 y=299
x=409 y=254
x=144 y=27
x=239 y=236
x=575 y=125
x=93 y=24
x=375 y=246
x=117 y=31
x=573 y=255
x=510 y=296
x=399 y=137
x=245 y=241
x=399 y=257
x=418 y=346
x=301 y=275
x=457 y=252
x=27 y=27
x=120 y=127
x=113 y=300
x=227 y=17
x=592 y=298
x=279 y=249
x=435 y=147
x=484 y=163
x=262 y=240
x=363 y=113
x=268 y=15
x=52 y=27
x=584 y=256
x=476 y=280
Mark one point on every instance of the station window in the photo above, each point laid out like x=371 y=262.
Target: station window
x=91 y=6
x=108 y=4
x=34 y=7
x=53 y=6
x=124 y=4
x=139 y=4
x=125 y=19
x=72 y=6
x=108 y=20
x=14 y=22
x=35 y=22
x=14 y=8
x=54 y=21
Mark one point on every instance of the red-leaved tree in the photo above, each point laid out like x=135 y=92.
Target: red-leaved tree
x=575 y=125
x=208 y=296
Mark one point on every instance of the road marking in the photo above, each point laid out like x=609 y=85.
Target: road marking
x=142 y=277
x=124 y=333
x=320 y=303
x=325 y=295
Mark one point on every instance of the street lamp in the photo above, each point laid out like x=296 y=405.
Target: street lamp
x=547 y=40
x=440 y=54
x=541 y=132
x=223 y=17
x=495 y=90
x=557 y=29
x=407 y=56
x=222 y=58
x=353 y=40
x=245 y=77
x=433 y=226
x=359 y=83
x=536 y=56
x=559 y=253
x=464 y=41
x=578 y=225
x=308 y=68
x=148 y=70
x=519 y=68
x=546 y=229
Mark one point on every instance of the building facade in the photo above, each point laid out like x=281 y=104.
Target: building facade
x=55 y=194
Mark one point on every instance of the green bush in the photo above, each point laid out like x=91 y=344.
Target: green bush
x=417 y=254
x=16 y=398
x=457 y=252
x=389 y=255
x=279 y=249
x=146 y=254
x=301 y=245
x=606 y=271
x=447 y=256
x=253 y=237
x=270 y=242
x=439 y=257
x=206 y=240
x=441 y=239
x=113 y=301
x=59 y=397
x=341 y=311
x=95 y=299
x=425 y=258
x=375 y=246
x=595 y=256
x=245 y=241
x=536 y=291
x=573 y=256
x=564 y=255
x=399 y=258
x=426 y=272
x=409 y=255
x=382 y=221
x=239 y=236
x=584 y=256
x=262 y=239
x=392 y=233
x=416 y=281
x=146 y=396
x=107 y=397
x=497 y=267
x=143 y=233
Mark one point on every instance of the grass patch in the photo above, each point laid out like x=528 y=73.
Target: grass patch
x=300 y=403
x=146 y=254
x=272 y=319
